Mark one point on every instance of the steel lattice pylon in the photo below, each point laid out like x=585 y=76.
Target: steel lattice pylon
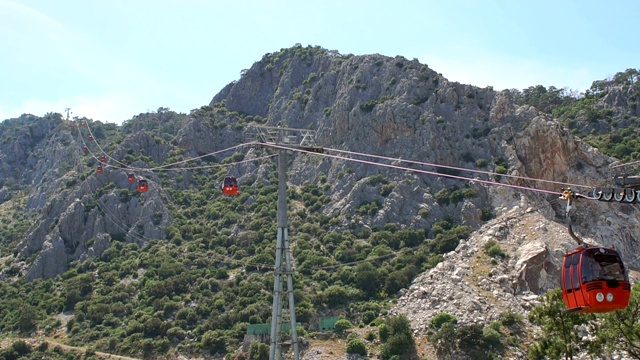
x=305 y=140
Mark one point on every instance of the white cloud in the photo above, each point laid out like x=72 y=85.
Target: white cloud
x=107 y=107
x=504 y=72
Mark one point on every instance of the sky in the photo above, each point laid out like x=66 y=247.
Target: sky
x=109 y=60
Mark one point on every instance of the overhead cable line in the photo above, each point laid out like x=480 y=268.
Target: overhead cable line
x=190 y=168
x=162 y=167
x=418 y=170
x=625 y=164
x=456 y=168
x=165 y=166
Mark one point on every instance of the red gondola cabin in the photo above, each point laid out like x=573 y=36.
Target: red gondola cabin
x=100 y=170
x=90 y=138
x=131 y=178
x=103 y=159
x=143 y=186
x=230 y=186
x=85 y=149
x=594 y=280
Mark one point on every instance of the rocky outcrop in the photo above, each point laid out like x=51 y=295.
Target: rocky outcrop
x=88 y=222
x=80 y=212
x=22 y=145
x=201 y=136
x=476 y=288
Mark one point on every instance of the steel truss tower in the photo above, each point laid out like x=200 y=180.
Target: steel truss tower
x=281 y=139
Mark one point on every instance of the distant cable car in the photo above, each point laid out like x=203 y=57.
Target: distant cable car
x=103 y=159
x=85 y=149
x=143 y=186
x=90 y=138
x=230 y=186
x=100 y=170
x=594 y=280
x=131 y=178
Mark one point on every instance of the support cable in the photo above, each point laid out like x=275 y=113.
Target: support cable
x=420 y=171
x=456 y=168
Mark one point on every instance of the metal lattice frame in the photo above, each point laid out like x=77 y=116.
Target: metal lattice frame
x=304 y=140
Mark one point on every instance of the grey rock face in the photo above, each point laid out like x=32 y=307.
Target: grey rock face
x=76 y=219
x=468 y=285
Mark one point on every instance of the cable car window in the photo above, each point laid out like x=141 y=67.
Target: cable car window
x=230 y=181
x=567 y=272
x=610 y=267
x=567 y=279
x=575 y=258
x=590 y=268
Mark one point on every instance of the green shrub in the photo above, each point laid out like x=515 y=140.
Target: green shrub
x=176 y=333
x=376 y=179
x=442 y=197
x=357 y=346
x=496 y=251
x=368 y=317
x=258 y=351
x=486 y=215
x=368 y=106
x=442 y=318
x=342 y=325
x=491 y=336
x=510 y=318
x=370 y=208
x=387 y=189
x=214 y=341
x=21 y=347
x=383 y=332
x=489 y=244
x=400 y=341
x=44 y=346
x=371 y=336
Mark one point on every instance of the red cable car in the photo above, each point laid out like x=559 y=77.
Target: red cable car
x=143 y=186
x=100 y=170
x=85 y=149
x=131 y=178
x=594 y=280
x=90 y=138
x=103 y=159
x=230 y=186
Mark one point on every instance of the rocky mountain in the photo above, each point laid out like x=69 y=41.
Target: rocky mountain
x=394 y=108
